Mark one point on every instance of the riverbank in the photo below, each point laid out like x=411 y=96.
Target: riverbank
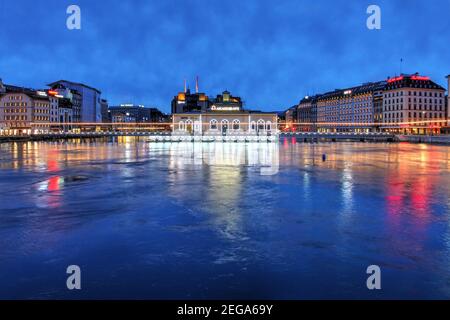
x=298 y=136
x=442 y=139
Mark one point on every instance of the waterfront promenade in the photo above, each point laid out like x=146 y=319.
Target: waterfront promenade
x=162 y=136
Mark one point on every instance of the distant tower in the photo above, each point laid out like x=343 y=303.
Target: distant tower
x=196 y=84
x=2 y=87
x=185 y=89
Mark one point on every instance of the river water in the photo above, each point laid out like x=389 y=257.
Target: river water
x=224 y=220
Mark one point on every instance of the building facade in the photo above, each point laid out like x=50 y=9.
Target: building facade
x=413 y=104
x=104 y=110
x=348 y=110
x=190 y=102
x=90 y=100
x=129 y=113
x=225 y=123
x=65 y=114
x=448 y=102
x=307 y=114
x=291 y=119
x=408 y=104
x=25 y=111
x=226 y=102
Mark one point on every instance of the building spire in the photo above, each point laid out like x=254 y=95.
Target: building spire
x=185 y=89
x=196 y=84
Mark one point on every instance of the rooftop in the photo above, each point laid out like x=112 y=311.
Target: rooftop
x=74 y=83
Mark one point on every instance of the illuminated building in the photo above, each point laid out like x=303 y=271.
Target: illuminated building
x=307 y=114
x=226 y=102
x=65 y=114
x=189 y=102
x=223 y=115
x=413 y=104
x=291 y=118
x=22 y=107
x=348 y=110
x=104 y=110
x=90 y=103
x=447 y=106
x=225 y=123
x=129 y=113
x=25 y=111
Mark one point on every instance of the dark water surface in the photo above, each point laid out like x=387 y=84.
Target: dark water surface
x=161 y=220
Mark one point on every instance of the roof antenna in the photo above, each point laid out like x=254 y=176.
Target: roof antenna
x=401 y=66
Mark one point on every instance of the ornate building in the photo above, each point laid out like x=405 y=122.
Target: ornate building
x=413 y=104
x=225 y=123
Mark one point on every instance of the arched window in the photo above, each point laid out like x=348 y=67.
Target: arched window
x=261 y=125
x=181 y=126
x=224 y=124
x=213 y=124
x=236 y=124
x=253 y=126
x=189 y=125
x=268 y=126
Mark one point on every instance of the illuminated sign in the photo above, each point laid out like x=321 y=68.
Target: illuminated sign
x=41 y=93
x=348 y=92
x=229 y=108
x=52 y=92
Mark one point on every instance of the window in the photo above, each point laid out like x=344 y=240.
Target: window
x=181 y=126
x=261 y=125
x=213 y=124
x=236 y=124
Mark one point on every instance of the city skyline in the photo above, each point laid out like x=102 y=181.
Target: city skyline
x=143 y=57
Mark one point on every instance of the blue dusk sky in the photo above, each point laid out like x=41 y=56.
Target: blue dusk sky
x=271 y=53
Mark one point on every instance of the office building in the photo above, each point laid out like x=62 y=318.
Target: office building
x=129 y=113
x=90 y=104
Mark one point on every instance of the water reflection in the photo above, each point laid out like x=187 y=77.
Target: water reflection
x=277 y=210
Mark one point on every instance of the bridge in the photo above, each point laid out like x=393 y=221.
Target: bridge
x=166 y=136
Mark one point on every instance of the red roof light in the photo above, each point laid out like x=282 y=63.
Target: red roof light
x=420 y=78
x=395 y=79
